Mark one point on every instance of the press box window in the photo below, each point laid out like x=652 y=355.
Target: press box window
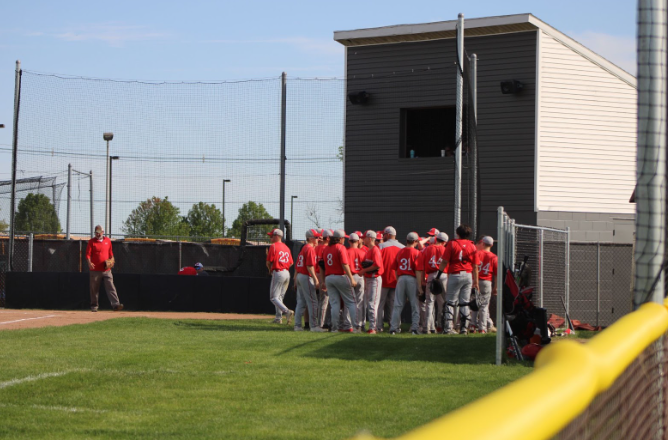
x=428 y=132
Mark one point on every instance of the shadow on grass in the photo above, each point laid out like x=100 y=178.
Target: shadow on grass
x=445 y=349
x=231 y=326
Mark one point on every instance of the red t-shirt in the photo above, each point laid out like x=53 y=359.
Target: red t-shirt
x=306 y=257
x=460 y=255
x=431 y=258
x=318 y=251
x=356 y=256
x=188 y=270
x=280 y=256
x=487 y=265
x=335 y=256
x=408 y=261
x=99 y=252
x=389 y=255
x=374 y=255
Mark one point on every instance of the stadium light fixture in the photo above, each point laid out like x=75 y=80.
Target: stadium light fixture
x=359 y=97
x=511 y=87
x=2 y=125
x=107 y=137
x=224 y=180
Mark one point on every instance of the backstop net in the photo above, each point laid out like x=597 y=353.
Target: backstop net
x=183 y=155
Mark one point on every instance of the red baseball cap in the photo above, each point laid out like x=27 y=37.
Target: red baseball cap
x=379 y=235
x=359 y=233
x=275 y=232
x=433 y=231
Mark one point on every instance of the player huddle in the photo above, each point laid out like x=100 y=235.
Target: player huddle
x=356 y=289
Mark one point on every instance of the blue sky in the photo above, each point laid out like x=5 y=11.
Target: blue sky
x=225 y=40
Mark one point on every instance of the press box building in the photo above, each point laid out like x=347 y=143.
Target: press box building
x=559 y=153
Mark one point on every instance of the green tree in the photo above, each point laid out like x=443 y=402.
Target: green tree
x=36 y=213
x=250 y=211
x=339 y=154
x=205 y=221
x=156 y=217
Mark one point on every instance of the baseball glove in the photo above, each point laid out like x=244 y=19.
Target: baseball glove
x=367 y=263
x=435 y=287
x=108 y=264
x=474 y=304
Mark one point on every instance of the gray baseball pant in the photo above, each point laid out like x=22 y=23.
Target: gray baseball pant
x=385 y=306
x=339 y=287
x=485 y=295
x=458 y=293
x=323 y=300
x=306 y=298
x=406 y=288
x=372 y=288
x=431 y=298
x=280 y=279
x=96 y=278
x=359 y=302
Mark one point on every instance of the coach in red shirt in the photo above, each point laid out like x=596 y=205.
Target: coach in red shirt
x=460 y=258
x=389 y=248
x=100 y=261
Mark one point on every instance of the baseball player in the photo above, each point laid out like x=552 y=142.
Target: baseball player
x=431 y=259
x=487 y=272
x=355 y=257
x=323 y=300
x=338 y=279
x=100 y=261
x=389 y=249
x=460 y=258
x=409 y=283
x=372 y=280
x=279 y=261
x=305 y=282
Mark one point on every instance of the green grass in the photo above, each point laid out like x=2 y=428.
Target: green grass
x=172 y=379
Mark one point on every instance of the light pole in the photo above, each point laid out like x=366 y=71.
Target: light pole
x=111 y=159
x=107 y=137
x=292 y=199
x=224 y=180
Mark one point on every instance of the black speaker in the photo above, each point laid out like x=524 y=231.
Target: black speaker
x=511 y=87
x=359 y=97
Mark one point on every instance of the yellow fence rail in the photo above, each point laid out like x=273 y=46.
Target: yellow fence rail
x=568 y=376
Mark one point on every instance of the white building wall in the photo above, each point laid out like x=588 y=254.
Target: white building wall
x=586 y=134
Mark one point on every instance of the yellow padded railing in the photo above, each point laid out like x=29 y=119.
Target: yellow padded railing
x=568 y=376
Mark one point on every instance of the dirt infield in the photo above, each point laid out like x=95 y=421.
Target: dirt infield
x=11 y=319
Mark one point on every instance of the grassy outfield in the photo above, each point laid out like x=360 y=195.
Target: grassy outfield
x=169 y=379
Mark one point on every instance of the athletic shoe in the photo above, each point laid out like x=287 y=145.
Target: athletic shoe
x=290 y=315
x=449 y=332
x=432 y=331
x=118 y=308
x=392 y=332
x=307 y=327
x=482 y=332
x=414 y=332
x=357 y=330
x=371 y=332
x=93 y=309
x=277 y=321
x=345 y=330
x=299 y=329
x=472 y=328
x=439 y=329
x=318 y=330
x=492 y=329
x=463 y=332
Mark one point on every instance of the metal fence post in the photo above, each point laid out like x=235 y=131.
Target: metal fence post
x=12 y=203
x=598 y=282
x=568 y=270
x=30 y=243
x=69 y=199
x=540 y=263
x=500 y=251
x=281 y=219
x=180 y=266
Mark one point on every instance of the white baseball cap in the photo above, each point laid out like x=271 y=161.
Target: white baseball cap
x=339 y=233
x=276 y=232
x=442 y=236
x=489 y=241
x=370 y=233
x=312 y=233
x=390 y=230
x=326 y=233
x=412 y=236
x=353 y=237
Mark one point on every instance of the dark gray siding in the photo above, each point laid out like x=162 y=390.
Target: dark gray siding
x=417 y=194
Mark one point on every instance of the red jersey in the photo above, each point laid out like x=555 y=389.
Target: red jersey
x=389 y=255
x=188 y=270
x=356 y=256
x=99 y=252
x=318 y=251
x=431 y=258
x=487 y=265
x=408 y=261
x=280 y=256
x=335 y=256
x=306 y=257
x=374 y=254
x=461 y=255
